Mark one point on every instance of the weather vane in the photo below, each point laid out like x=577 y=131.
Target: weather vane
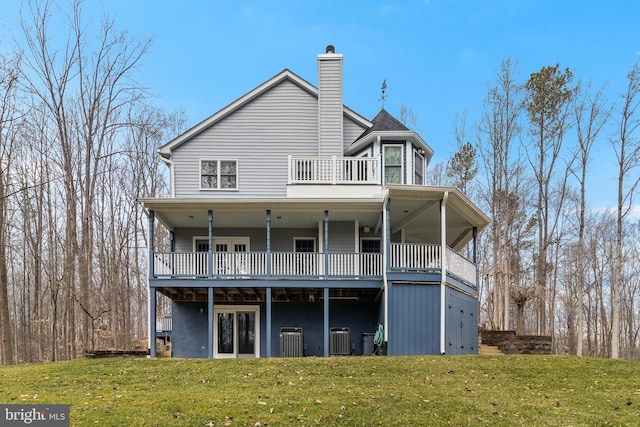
x=383 y=89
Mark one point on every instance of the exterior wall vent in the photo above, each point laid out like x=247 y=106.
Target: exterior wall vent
x=340 y=342
x=291 y=342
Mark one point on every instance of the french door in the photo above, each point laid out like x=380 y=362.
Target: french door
x=229 y=254
x=236 y=331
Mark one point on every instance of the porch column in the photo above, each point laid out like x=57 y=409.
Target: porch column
x=152 y=291
x=269 y=244
x=443 y=269
x=475 y=245
x=152 y=219
x=326 y=322
x=267 y=297
x=152 y=322
x=326 y=243
x=475 y=254
x=267 y=303
x=386 y=234
x=210 y=321
x=210 y=253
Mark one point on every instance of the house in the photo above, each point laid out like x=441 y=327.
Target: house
x=297 y=226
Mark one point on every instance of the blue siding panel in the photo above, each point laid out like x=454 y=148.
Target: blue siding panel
x=461 y=333
x=189 y=337
x=359 y=317
x=414 y=319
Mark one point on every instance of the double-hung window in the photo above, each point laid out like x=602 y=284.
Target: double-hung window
x=218 y=174
x=393 y=164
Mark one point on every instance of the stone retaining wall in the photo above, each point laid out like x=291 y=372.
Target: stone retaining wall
x=510 y=343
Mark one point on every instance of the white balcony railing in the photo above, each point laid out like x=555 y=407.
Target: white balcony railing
x=403 y=257
x=414 y=256
x=334 y=170
x=460 y=266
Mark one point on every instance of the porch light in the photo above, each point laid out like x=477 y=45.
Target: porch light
x=366 y=229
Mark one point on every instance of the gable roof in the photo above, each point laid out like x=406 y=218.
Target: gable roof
x=288 y=75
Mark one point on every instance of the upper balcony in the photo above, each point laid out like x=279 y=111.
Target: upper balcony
x=334 y=170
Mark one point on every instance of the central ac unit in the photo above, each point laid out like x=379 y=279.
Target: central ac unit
x=291 y=342
x=340 y=342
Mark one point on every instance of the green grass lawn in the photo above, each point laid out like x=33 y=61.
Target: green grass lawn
x=368 y=391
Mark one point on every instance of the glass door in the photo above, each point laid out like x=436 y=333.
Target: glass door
x=236 y=332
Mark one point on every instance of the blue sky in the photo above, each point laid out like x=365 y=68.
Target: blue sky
x=438 y=56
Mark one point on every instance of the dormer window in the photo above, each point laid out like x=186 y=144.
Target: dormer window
x=218 y=174
x=393 y=164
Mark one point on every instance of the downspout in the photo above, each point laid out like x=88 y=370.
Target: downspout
x=152 y=291
x=172 y=186
x=386 y=204
x=443 y=269
x=268 y=290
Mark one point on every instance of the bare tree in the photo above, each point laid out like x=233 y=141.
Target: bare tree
x=626 y=145
x=505 y=194
x=9 y=114
x=591 y=114
x=408 y=118
x=86 y=87
x=549 y=95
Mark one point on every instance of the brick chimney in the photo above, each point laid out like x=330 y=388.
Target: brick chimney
x=330 y=138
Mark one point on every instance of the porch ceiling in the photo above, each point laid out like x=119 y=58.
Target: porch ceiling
x=285 y=213
x=414 y=209
x=246 y=294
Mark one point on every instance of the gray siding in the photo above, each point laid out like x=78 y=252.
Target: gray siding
x=184 y=237
x=341 y=236
x=351 y=130
x=414 y=319
x=260 y=135
x=330 y=113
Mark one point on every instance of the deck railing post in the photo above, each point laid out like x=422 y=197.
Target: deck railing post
x=210 y=252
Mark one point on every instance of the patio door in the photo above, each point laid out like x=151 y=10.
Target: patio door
x=236 y=331
x=231 y=254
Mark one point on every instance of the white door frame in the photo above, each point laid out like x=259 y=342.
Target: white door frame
x=234 y=309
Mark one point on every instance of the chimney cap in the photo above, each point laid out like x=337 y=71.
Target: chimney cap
x=330 y=49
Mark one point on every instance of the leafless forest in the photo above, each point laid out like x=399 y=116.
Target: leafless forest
x=78 y=134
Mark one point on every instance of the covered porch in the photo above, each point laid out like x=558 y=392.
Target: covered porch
x=425 y=235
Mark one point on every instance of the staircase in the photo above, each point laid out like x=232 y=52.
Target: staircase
x=488 y=350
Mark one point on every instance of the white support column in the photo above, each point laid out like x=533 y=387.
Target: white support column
x=386 y=233
x=443 y=270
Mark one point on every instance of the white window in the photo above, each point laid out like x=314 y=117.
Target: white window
x=418 y=168
x=393 y=164
x=218 y=174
